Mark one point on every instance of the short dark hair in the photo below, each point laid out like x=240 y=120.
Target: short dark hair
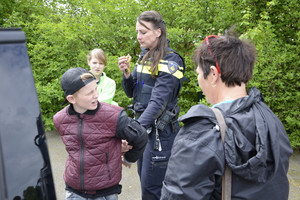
x=234 y=56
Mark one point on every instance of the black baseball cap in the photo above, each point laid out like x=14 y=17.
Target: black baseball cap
x=71 y=81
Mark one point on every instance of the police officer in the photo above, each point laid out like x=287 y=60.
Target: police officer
x=154 y=85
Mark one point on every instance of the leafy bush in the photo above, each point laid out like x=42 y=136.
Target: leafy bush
x=60 y=33
x=277 y=71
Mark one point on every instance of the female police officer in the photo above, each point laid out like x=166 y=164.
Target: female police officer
x=154 y=85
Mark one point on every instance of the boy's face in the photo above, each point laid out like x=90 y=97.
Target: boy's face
x=86 y=98
x=96 y=66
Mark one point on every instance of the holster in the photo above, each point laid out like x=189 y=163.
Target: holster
x=167 y=117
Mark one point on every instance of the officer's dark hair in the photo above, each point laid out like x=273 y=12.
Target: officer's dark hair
x=235 y=58
x=157 y=53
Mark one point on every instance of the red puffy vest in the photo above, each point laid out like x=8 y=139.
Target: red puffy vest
x=94 y=160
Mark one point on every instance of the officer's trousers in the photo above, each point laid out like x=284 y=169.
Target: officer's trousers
x=153 y=165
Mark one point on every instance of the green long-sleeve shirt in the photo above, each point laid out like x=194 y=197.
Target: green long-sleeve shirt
x=106 y=89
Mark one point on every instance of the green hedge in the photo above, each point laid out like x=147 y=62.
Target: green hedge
x=61 y=32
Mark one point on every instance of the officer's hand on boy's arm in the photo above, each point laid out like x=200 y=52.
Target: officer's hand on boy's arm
x=125 y=147
x=124 y=66
x=126 y=163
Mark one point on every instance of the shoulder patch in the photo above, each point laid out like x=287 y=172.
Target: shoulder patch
x=172 y=66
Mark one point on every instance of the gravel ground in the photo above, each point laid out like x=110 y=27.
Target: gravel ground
x=130 y=179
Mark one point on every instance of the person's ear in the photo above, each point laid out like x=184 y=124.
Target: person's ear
x=215 y=75
x=158 y=32
x=71 y=99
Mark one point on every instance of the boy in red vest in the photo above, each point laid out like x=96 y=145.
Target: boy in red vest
x=92 y=133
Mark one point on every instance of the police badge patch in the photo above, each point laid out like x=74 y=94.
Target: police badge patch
x=172 y=66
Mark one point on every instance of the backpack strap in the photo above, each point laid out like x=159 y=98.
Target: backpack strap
x=226 y=178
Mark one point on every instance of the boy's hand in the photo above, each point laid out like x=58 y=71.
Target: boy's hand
x=125 y=147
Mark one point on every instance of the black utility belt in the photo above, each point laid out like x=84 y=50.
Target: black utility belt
x=163 y=121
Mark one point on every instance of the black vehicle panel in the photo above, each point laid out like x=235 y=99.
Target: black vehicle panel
x=24 y=164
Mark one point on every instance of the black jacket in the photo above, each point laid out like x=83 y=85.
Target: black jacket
x=257 y=150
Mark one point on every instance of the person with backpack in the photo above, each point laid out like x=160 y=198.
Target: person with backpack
x=256 y=147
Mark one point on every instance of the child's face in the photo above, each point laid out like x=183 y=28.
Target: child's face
x=86 y=98
x=96 y=66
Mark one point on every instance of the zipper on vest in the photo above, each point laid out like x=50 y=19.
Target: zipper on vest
x=107 y=166
x=82 y=155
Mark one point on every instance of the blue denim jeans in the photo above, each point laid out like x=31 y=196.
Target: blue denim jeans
x=74 y=196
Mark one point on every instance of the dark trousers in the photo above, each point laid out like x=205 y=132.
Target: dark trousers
x=153 y=165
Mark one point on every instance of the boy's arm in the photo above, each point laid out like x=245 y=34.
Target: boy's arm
x=134 y=133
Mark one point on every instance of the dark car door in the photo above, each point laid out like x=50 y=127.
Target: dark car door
x=25 y=171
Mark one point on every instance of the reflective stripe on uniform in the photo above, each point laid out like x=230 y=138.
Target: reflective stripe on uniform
x=170 y=67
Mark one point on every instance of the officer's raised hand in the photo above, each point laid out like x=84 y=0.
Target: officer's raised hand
x=124 y=65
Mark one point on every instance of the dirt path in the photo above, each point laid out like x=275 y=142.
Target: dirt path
x=130 y=179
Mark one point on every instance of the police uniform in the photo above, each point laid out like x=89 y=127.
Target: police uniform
x=151 y=98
